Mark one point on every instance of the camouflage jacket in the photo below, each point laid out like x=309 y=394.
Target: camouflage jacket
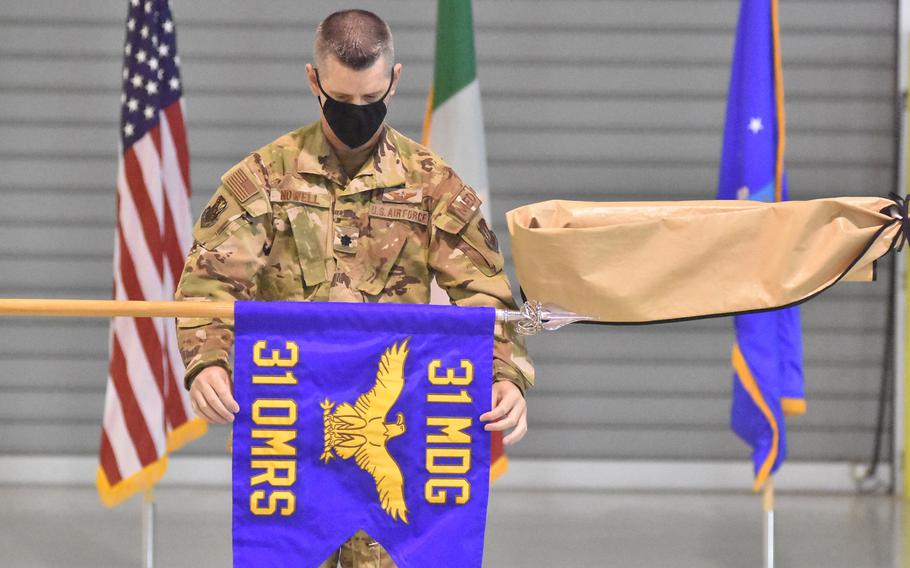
x=287 y=223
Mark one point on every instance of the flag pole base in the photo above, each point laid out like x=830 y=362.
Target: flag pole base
x=768 y=513
x=148 y=529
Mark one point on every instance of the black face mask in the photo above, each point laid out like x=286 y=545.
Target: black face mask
x=353 y=124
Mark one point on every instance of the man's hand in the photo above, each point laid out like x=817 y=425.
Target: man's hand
x=210 y=395
x=508 y=404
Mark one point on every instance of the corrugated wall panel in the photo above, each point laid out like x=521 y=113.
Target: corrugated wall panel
x=586 y=99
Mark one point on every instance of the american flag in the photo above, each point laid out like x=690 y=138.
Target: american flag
x=147 y=412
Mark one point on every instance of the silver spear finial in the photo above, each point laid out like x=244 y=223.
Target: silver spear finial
x=535 y=317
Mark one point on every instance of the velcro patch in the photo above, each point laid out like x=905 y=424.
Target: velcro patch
x=465 y=205
x=346 y=237
x=301 y=196
x=411 y=195
x=399 y=212
x=239 y=183
x=212 y=212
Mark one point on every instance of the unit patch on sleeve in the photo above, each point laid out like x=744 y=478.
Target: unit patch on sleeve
x=465 y=205
x=212 y=212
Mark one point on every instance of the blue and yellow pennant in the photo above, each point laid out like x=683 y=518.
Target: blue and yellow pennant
x=767 y=356
x=361 y=416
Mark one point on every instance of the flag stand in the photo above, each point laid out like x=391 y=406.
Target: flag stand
x=768 y=517
x=148 y=529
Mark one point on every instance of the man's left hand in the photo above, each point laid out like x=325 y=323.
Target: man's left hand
x=509 y=406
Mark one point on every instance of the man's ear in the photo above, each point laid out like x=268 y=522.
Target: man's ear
x=396 y=71
x=311 y=80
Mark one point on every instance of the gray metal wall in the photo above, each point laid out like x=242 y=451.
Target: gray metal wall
x=607 y=100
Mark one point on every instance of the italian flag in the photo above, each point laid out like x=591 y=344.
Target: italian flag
x=453 y=128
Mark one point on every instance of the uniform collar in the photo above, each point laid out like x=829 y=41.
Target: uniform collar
x=383 y=169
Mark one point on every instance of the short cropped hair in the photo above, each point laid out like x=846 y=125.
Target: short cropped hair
x=357 y=38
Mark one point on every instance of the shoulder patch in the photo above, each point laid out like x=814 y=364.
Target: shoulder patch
x=489 y=237
x=465 y=205
x=239 y=183
x=212 y=212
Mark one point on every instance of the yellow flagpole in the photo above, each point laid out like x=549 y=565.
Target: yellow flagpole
x=186 y=309
x=115 y=308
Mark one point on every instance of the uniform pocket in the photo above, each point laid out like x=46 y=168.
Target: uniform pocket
x=378 y=252
x=479 y=243
x=475 y=239
x=309 y=225
x=210 y=240
x=222 y=216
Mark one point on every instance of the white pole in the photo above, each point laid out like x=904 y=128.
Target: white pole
x=899 y=444
x=148 y=529
x=768 y=513
x=900 y=338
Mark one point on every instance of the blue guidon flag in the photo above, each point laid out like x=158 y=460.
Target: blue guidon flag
x=767 y=356
x=361 y=416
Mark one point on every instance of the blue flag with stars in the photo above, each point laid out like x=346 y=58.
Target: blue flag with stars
x=767 y=356
x=151 y=70
x=361 y=416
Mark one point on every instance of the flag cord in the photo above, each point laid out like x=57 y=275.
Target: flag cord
x=870 y=482
x=888 y=376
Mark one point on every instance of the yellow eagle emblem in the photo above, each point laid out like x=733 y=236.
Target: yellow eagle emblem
x=362 y=432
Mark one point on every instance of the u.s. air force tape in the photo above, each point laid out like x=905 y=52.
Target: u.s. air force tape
x=399 y=212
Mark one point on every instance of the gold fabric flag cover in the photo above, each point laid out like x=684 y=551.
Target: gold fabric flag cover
x=651 y=262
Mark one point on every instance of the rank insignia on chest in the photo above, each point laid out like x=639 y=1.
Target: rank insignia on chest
x=411 y=195
x=346 y=237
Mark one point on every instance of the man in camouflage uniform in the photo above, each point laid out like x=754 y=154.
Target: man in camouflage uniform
x=345 y=210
